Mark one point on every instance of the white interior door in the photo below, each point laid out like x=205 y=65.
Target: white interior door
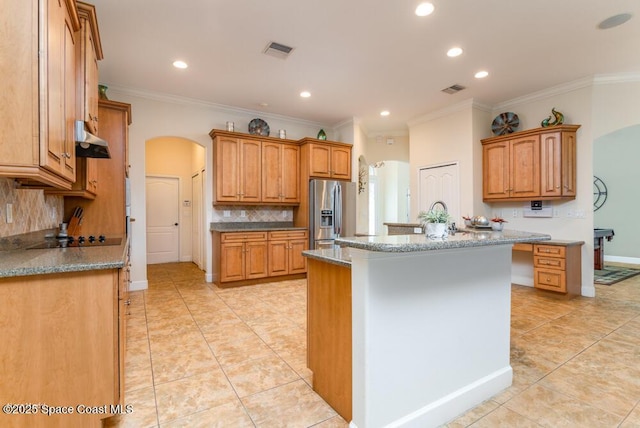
x=163 y=214
x=440 y=183
x=196 y=238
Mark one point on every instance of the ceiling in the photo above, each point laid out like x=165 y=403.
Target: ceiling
x=360 y=57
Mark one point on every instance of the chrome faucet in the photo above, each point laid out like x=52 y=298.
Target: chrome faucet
x=439 y=203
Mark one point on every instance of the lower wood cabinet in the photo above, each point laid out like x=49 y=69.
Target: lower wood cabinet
x=63 y=338
x=558 y=268
x=243 y=256
x=246 y=256
x=285 y=252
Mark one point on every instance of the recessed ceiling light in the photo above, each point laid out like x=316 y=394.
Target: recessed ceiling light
x=453 y=52
x=424 y=9
x=614 y=21
x=305 y=94
x=263 y=104
x=180 y=64
x=384 y=113
x=481 y=74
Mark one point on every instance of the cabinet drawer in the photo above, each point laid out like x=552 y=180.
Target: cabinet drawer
x=288 y=234
x=549 y=262
x=550 y=279
x=243 y=236
x=549 y=250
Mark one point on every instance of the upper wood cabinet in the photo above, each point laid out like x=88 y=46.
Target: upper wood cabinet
x=106 y=214
x=280 y=173
x=255 y=170
x=237 y=164
x=534 y=164
x=330 y=160
x=89 y=52
x=38 y=69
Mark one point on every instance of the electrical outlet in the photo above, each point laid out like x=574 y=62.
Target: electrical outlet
x=9 y=213
x=226 y=213
x=284 y=213
x=580 y=214
x=243 y=213
x=569 y=214
x=556 y=212
x=515 y=213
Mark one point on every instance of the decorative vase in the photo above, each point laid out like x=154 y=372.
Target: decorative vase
x=496 y=226
x=436 y=230
x=322 y=135
x=102 y=92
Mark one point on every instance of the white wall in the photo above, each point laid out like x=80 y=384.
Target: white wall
x=157 y=116
x=449 y=136
x=616 y=129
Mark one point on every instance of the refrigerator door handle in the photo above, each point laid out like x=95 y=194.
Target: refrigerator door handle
x=337 y=209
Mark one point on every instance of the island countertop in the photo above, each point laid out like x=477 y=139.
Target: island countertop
x=464 y=238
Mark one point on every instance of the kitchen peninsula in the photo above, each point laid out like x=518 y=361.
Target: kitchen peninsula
x=418 y=330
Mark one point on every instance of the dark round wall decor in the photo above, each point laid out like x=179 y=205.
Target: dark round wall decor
x=505 y=123
x=259 y=127
x=599 y=193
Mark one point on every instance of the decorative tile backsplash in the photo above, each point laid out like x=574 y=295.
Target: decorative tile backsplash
x=252 y=213
x=32 y=210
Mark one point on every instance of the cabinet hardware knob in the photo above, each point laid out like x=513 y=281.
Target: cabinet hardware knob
x=127 y=302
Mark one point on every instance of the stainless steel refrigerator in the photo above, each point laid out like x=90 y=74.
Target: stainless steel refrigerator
x=332 y=211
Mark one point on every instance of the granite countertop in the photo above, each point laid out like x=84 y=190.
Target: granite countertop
x=253 y=226
x=463 y=238
x=338 y=255
x=17 y=260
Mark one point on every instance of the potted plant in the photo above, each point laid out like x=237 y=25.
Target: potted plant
x=497 y=223
x=435 y=223
x=467 y=220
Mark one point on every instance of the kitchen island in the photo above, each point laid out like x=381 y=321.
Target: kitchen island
x=428 y=324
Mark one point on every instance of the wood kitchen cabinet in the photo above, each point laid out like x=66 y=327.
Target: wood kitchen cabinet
x=243 y=255
x=285 y=252
x=530 y=165
x=558 y=164
x=237 y=164
x=63 y=339
x=558 y=267
x=329 y=160
x=512 y=168
x=106 y=214
x=88 y=52
x=38 y=69
x=280 y=173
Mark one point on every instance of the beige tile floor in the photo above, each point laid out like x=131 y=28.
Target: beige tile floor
x=201 y=356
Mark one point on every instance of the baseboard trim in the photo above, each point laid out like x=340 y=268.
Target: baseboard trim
x=138 y=285
x=620 y=259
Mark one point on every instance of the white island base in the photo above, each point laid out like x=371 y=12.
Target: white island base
x=430 y=333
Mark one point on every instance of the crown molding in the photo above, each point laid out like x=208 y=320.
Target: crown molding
x=598 y=79
x=174 y=99
x=455 y=108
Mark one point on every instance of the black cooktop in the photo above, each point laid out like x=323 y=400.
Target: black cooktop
x=80 y=241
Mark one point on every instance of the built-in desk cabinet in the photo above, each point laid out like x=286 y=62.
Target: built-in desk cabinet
x=557 y=265
x=537 y=164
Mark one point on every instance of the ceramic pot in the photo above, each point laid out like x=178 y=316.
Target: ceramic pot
x=496 y=226
x=436 y=230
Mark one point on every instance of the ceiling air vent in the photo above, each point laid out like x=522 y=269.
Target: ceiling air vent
x=453 y=89
x=278 y=50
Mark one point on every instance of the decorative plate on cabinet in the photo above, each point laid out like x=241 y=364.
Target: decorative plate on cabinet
x=259 y=127
x=505 y=123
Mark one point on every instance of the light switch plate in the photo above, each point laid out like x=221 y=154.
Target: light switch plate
x=9 y=213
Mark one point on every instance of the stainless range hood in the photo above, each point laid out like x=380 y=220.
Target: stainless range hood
x=88 y=145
